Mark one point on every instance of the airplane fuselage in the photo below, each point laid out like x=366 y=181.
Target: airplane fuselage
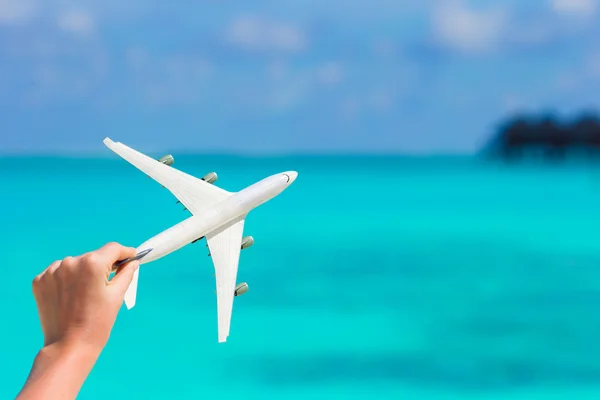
x=197 y=226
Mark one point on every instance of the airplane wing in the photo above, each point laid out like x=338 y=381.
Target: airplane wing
x=225 y=245
x=195 y=194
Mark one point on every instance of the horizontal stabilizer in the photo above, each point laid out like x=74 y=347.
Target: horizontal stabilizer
x=131 y=292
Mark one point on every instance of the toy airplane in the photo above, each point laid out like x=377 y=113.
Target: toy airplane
x=217 y=215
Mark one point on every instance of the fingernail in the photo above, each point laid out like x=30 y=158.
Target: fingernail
x=136 y=264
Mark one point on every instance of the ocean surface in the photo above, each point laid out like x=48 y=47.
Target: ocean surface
x=370 y=278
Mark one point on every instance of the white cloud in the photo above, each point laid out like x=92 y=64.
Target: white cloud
x=578 y=8
x=290 y=87
x=166 y=80
x=136 y=57
x=350 y=108
x=382 y=100
x=385 y=48
x=512 y=103
x=258 y=34
x=459 y=27
x=16 y=11
x=567 y=82
x=330 y=73
x=77 y=22
x=593 y=66
x=287 y=95
x=277 y=70
x=580 y=77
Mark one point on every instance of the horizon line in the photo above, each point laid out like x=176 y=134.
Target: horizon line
x=241 y=154
x=98 y=156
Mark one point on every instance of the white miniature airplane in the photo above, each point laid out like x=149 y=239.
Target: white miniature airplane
x=217 y=215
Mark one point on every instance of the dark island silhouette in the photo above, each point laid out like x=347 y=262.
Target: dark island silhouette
x=522 y=136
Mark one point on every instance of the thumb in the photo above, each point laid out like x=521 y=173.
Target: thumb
x=123 y=278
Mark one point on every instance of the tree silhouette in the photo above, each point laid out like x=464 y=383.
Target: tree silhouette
x=522 y=134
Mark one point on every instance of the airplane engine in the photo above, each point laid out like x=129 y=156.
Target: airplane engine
x=247 y=242
x=167 y=160
x=241 y=289
x=211 y=177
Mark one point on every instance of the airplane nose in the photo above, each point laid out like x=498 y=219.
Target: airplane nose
x=291 y=176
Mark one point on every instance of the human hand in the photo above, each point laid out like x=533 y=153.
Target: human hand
x=77 y=304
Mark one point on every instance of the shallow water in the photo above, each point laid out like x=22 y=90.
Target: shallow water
x=371 y=278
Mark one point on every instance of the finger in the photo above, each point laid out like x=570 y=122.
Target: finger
x=43 y=304
x=113 y=252
x=53 y=267
x=37 y=281
x=45 y=276
x=122 y=279
x=44 y=312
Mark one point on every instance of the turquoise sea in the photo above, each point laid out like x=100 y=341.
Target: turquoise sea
x=370 y=278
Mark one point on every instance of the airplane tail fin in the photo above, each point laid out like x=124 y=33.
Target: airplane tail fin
x=131 y=292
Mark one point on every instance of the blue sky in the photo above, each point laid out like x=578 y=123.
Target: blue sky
x=294 y=76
